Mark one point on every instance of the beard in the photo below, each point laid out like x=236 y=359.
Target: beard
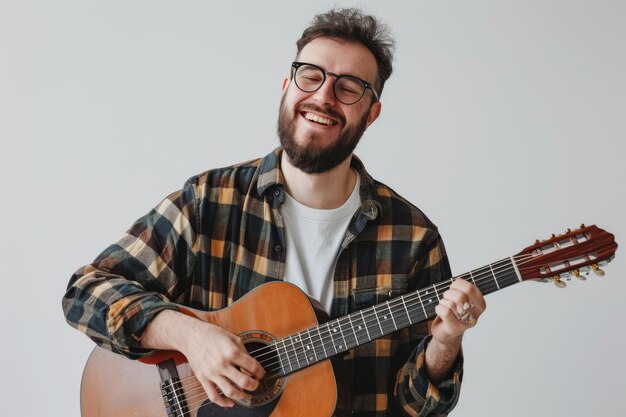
x=309 y=157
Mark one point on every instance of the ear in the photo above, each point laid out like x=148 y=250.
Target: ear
x=285 y=83
x=374 y=113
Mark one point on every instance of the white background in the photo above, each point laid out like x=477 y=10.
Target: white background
x=505 y=121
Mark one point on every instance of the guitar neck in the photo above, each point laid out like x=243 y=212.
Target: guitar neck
x=340 y=335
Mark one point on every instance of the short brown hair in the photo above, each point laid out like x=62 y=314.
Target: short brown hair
x=354 y=25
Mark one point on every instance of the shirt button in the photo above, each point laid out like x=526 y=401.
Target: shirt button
x=276 y=193
x=278 y=248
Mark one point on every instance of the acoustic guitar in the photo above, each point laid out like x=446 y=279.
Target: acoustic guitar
x=296 y=351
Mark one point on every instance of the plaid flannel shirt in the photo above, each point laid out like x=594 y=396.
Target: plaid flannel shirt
x=222 y=235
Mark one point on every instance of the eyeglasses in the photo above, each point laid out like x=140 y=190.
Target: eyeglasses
x=348 y=89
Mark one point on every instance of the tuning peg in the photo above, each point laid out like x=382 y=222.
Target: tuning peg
x=552 y=236
x=568 y=230
x=582 y=225
x=558 y=282
x=577 y=274
x=597 y=270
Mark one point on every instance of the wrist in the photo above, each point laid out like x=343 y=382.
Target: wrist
x=446 y=343
x=165 y=331
x=440 y=357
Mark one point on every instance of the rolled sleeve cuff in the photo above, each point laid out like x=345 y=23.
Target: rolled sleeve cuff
x=129 y=317
x=417 y=396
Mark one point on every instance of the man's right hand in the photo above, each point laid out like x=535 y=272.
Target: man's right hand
x=217 y=357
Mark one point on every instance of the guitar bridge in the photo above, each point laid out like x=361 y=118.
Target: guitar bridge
x=172 y=390
x=174 y=399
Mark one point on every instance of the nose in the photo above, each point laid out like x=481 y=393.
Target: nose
x=326 y=94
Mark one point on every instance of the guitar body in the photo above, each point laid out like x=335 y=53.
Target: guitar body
x=114 y=386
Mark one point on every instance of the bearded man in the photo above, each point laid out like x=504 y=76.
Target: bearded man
x=308 y=214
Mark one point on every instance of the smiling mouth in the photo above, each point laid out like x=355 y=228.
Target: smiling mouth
x=319 y=119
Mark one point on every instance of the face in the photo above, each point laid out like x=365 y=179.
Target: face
x=316 y=131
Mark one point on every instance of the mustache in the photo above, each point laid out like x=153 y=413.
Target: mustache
x=325 y=111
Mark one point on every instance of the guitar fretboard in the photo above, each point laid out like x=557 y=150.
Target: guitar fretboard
x=340 y=335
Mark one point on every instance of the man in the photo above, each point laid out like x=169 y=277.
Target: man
x=308 y=213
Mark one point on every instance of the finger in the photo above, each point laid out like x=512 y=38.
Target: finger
x=447 y=310
x=229 y=390
x=466 y=317
x=460 y=300
x=471 y=290
x=242 y=379
x=214 y=394
x=250 y=365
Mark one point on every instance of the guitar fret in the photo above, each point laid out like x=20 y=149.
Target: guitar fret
x=406 y=309
x=322 y=342
x=365 y=325
x=299 y=339
x=401 y=317
x=392 y=318
x=342 y=347
x=332 y=332
x=430 y=302
x=335 y=334
x=421 y=303
x=280 y=359
x=386 y=324
x=293 y=339
x=472 y=277
x=329 y=338
x=318 y=345
x=360 y=329
x=287 y=356
x=436 y=293
x=517 y=273
x=376 y=315
x=494 y=276
x=345 y=326
x=290 y=357
x=356 y=339
x=309 y=347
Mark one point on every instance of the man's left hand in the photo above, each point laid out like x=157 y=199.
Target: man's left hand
x=458 y=310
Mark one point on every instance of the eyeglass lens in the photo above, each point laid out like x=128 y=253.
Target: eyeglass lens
x=348 y=89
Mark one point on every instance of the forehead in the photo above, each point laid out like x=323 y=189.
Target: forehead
x=341 y=57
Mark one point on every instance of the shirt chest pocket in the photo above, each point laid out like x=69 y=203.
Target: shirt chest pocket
x=366 y=297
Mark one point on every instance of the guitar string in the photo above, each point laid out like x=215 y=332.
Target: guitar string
x=191 y=401
x=197 y=386
x=444 y=285
x=395 y=301
x=396 y=304
x=479 y=277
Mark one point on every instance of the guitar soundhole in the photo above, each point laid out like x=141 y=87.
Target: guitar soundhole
x=258 y=344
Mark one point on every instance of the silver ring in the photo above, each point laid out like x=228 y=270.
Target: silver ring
x=466 y=317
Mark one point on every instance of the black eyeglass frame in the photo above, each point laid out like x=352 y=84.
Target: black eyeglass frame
x=297 y=64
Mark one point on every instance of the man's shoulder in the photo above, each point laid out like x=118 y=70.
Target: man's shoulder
x=396 y=209
x=239 y=174
x=222 y=176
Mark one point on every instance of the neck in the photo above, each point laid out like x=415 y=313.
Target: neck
x=344 y=333
x=325 y=191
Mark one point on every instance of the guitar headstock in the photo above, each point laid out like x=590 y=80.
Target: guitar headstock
x=574 y=253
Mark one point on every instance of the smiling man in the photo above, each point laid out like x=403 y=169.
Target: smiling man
x=308 y=213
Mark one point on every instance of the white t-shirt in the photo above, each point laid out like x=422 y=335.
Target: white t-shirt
x=314 y=238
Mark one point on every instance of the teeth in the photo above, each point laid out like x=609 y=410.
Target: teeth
x=318 y=119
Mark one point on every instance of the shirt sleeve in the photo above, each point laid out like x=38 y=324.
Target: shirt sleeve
x=113 y=299
x=413 y=392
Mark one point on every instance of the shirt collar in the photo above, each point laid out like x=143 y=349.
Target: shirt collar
x=271 y=177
